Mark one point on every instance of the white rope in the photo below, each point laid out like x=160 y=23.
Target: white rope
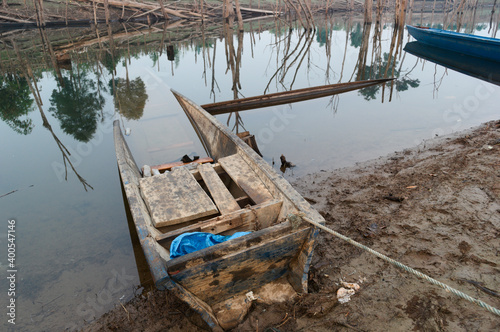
x=402 y=266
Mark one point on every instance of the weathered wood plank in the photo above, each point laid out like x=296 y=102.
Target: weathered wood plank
x=169 y=166
x=249 y=139
x=299 y=267
x=153 y=253
x=129 y=174
x=259 y=11
x=266 y=214
x=258 y=216
x=175 y=197
x=222 y=197
x=223 y=249
x=239 y=272
x=245 y=178
x=199 y=306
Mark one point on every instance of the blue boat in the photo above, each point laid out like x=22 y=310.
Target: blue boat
x=478 y=46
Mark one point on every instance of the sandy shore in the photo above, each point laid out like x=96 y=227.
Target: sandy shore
x=435 y=207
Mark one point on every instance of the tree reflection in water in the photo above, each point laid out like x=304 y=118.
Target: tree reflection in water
x=77 y=106
x=130 y=97
x=16 y=103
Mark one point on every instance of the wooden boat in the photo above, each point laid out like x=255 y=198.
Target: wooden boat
x=287 y=97
x=478 y=46
x=469 y=65
x=233 y=190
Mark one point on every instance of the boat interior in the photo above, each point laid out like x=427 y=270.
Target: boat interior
x=203 y=196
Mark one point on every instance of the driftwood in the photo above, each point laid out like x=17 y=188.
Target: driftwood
x=86 y=42
x=7 y=18
x=246 y=10
x=14 y=20
x=145 y=6
x=287 y=97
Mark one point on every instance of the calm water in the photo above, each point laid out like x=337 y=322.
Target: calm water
x=74 y=253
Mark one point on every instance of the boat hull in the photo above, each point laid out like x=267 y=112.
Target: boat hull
x=218 y=281
x=478 y=46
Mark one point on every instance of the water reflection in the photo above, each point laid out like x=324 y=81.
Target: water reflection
x=64 y=86
x=67 y=120
x=82 y=58
x=16 y=103
x=476 y=67
x=130 y=97
x=77 y=103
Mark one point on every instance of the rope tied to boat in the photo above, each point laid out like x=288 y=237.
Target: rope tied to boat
x=400 y=265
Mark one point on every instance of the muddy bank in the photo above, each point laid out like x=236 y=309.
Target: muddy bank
x=435 y=207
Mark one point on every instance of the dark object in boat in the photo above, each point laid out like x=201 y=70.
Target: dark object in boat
x=186 y=159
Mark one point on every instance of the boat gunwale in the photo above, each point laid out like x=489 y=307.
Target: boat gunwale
x=246 y=152
x=264 y=235
x=453 y=34
x=124 y=160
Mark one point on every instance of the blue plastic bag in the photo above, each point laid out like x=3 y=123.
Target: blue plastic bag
x=191 y=242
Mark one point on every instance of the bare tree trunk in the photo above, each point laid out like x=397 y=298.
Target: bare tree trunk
x=42 y=15
x=106 y=10
x=310 y=24
x=53 y=58
x=94 y=6
x=368 y=11
x=165 y=15
x=66 y=13
x=363 y=52
x=297 y=12
x=228 y=9
x=40 y=19
x=238 y=13
x=202 y=9
x=308 y=7
x=491 y=17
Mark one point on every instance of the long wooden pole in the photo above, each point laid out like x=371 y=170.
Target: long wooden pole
x=287 y=97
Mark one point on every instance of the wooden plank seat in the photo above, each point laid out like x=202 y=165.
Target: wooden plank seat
x=175 y=197
x=252 y=218
x=166 y=167
x=220 y=194
x=245 y=178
